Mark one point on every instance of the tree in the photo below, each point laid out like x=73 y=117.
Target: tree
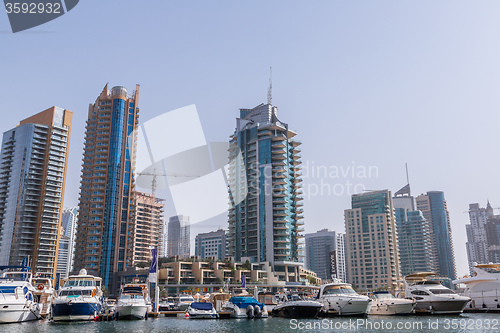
x=105 y=291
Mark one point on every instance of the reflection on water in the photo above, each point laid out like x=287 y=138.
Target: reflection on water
x=464 y=323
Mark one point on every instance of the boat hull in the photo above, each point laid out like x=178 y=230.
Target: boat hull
x=77 y=311
x=131 y=311
x=296 y=311
x=347 y=307
x=441 y=307
x=16 y=313
x=202 y=314
x=387 y=309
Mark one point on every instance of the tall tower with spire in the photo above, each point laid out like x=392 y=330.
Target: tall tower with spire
x=414 y=234
x=265 y=214
x=477 y=246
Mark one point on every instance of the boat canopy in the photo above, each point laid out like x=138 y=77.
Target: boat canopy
x=418 y=276
x=244 y=301
x=202 y=306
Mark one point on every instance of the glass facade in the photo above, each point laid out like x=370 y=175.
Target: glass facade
x=32 y=175
x=265 y=214
x=106 y=205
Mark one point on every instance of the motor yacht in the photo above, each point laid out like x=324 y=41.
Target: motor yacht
x=202 y=310
x=293 y=305
x=80 y=298
x=134 y=302
x=431 y=296
x=483 y=287
x=339 y=299
x=385 y=304
x=17 y=303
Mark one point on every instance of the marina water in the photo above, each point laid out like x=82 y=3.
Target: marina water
x=469 y=322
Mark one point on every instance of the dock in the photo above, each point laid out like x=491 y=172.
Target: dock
x=166 y=314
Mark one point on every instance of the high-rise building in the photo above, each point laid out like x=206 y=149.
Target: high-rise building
x=414 y=235
x=211 y=245
x=492 y=228
x=179 y=241
x=433 y=206
x=106 y=214
x=325 y=254
x=32 y=177
x=148 y=227
x=67 y=242
x=371 y=241
x=265 y=214
x=477 y=246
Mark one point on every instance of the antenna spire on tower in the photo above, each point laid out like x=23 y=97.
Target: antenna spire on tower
x=270 y=89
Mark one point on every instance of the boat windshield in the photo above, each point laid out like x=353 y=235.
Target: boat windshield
x=125 y=296
x=14 y=277
x=79 y=283
x=186 y=299
x=441 y=291
x=75 y=292
x=335 y=290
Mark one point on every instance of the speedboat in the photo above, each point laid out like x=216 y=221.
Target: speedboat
x=431 y=296
x=80 y=298
x=17 y=302
x=483 y=287
x=44 y=294
x=295 y=306
x=384 y=303
x=184 y=301
x=339 y=299
x=202 y=310
x=245 y=307
x=134 y=302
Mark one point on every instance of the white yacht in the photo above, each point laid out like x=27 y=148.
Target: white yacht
x=340 y=299
x=134 y=302
x=385 y=304
x=44 y=294
x=293 y=305
x=80 y=298
x=202 y=310
x=431 y=296
x=483 y=287
x=184 y=301
x=17 y=302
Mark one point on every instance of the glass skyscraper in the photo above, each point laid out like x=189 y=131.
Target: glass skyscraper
x=325 y=254
x=179 y=240
x=265 y=213
x=32 y=177
x=433 y=206
x=106 y=213
x=414 y=234
x=67 y=242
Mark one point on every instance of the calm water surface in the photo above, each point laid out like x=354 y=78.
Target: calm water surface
x=463 y=323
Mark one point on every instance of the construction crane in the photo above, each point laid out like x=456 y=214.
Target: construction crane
x=155 y=174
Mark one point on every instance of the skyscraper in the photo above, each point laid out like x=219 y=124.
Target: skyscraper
x=148 y=226
x=325 y=254
x=477 y=246
x=265 y=214
x=433 y=206
x=371 y=241
x=414 y=234
x=179 y=242
x=67 y=242
x=211 y=244
x=492 y=228
x=32 y=178
x=104 y=232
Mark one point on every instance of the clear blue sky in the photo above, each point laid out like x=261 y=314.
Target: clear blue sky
x=365 y=83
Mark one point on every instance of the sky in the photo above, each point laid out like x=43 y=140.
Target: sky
x=369 y=85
